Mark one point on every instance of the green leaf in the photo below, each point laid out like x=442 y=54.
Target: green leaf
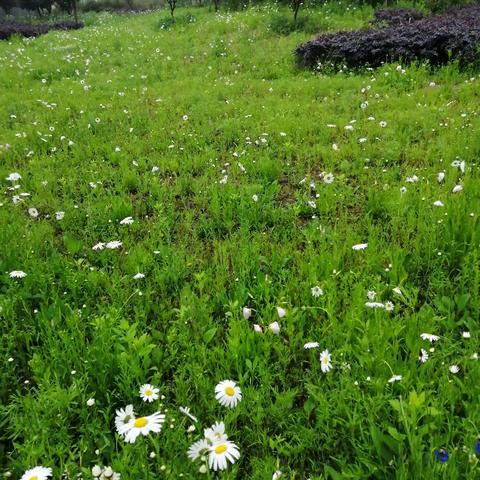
x=400 y=437
x=395 y=404
x=209 y=334
x=72 y=245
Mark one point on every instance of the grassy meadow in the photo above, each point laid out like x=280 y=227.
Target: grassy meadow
x=248 y=182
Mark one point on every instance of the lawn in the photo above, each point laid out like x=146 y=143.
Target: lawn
x=342 y=205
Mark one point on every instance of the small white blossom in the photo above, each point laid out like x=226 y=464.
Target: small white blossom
x=257 y=328
x=316 y=291
x=126 y=221
x=17 y=274
x=274 y=328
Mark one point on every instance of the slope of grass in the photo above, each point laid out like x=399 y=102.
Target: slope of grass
x=216 y=146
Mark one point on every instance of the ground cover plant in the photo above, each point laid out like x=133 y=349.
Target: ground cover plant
x=209 y=254
x=438 y=39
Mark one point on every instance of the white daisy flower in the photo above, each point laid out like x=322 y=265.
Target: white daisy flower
x=437 y=203
x=395 y=378
x=91 y=403
x=397 y=291
x=325 y=361
x=148 y=393
x=247 y=313
x=371 y=294
x=216 y=433
x=33 y=212
x=466 y=334
x=316 y=291
x=277 y=475
x=221 y=454
x=186 y=411
x=374 y=305
x=441 y=177
x=281 y=312
x=59 y=215
x=360 y=246
x=142 y=426
x=109 y=474
x=459 y=164
x=126 y=221
x=14 y=177
x=328 y=178
x=138 y=276
x=274 y=328
x=257 y=328
x=389 y=306
x=454 y=369
x=17 y=274
x=228 y=393
x=310 y=345
x=124 y=417
x=457 y=188
x=113 y=244
x=98 y=246
x=430 y=337
x=96 y=471
x=198 y=449
x=37 y=473
x=423 y=355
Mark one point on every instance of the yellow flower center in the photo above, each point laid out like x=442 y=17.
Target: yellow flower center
x=230 y=391
x=34 y=478
x=221 y=448
x=148 y=393
x=325 y=360
x=140 y=422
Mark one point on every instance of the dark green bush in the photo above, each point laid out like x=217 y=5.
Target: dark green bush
x=168 y=22
x=437 y=6
x=283 y=24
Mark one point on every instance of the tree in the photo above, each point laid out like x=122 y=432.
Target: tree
x=217 y=4
x=295 y=6
x=172 y=4
x=39 y=5
x=69 y=6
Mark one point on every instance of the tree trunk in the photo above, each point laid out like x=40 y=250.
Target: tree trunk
x=75 y=14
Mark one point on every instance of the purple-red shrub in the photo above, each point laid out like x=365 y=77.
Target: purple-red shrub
x=436 y=39
x=9 y=28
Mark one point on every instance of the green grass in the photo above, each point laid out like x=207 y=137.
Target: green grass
x=118 y=90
